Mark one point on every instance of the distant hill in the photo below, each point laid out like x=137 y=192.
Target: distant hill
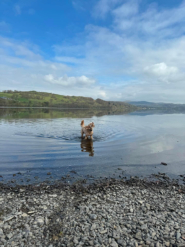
x=151 y=105
x=10 y=98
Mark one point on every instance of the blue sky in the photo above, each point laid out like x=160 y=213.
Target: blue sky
x=109 y=49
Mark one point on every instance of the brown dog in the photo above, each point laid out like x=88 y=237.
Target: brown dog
x=87 y=130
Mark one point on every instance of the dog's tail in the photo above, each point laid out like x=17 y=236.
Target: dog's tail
x=82 y=123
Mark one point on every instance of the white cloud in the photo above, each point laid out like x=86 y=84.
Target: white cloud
x=78 y=5
x=161 y=71
x=102 y=8
x=148 y=52
x=162 y=24
x=17 y=9
x=102 y=94
x=23 y=68
x=135 y=57
x=70 y=81
x=127 y=9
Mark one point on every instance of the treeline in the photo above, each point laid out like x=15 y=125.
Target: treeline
x=39 y=113
x=41 y=99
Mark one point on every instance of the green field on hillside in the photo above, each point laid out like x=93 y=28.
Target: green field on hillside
x=41 y=99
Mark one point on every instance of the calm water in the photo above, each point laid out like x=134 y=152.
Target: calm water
x=37 y=141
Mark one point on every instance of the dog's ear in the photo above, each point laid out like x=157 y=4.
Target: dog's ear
x=82 y=123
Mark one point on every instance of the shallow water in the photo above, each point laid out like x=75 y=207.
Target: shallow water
x=37 y=141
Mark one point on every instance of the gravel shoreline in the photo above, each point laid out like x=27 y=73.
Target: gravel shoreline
x=111 y=213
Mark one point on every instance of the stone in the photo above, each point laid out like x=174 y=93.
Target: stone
x=157 y=244
x=93 y=227
x=178 y=235
x=40 y=221
x=24 y=215
x=167 y=244
x=93 y=216
x=103 y=232
x=144 y=227
x=140 y=201
x=1 y=233
x=116 y=235
x=138 y=236
x=75 y=240
x=9 y=218
x=131 y=210
x=113 y=243
x=53 y=195
x=31 y=212
x=135 y=244
x=10 y=235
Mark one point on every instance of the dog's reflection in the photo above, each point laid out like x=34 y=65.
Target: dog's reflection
x=87 y=146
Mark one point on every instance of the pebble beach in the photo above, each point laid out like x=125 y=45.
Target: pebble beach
x=111 y=212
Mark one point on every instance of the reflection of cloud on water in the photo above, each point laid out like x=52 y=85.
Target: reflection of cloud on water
x=161 y=144
x=87 y=146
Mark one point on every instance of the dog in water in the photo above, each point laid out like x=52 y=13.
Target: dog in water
x=87 y=130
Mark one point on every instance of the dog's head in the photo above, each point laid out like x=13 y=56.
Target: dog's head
x=92 y=125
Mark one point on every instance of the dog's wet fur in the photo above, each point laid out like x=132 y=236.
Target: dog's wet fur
x=87 y=130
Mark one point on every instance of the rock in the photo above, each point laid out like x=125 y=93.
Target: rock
x=129 y=213
x=141 y=202
x=113 y=243
x=116 y=235
x=157 y=244
x=9 y=236
x=40 y=221
x=46 y=220
x=31 y=212
x=135 y=244
x=93 y=227
x=24 y=215
x=138 y=236
x=9 y=218
x=178 y=235
x=53 y=195
x=75 y=240
x=93 y=216
x=103 y=232
x=73 y=172
x=163 y=163
x=144 y=227
x=1 y=233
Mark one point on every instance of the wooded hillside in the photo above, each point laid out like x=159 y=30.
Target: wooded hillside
x=41 y=99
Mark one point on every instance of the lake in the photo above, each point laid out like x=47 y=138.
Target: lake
x=45 y=144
